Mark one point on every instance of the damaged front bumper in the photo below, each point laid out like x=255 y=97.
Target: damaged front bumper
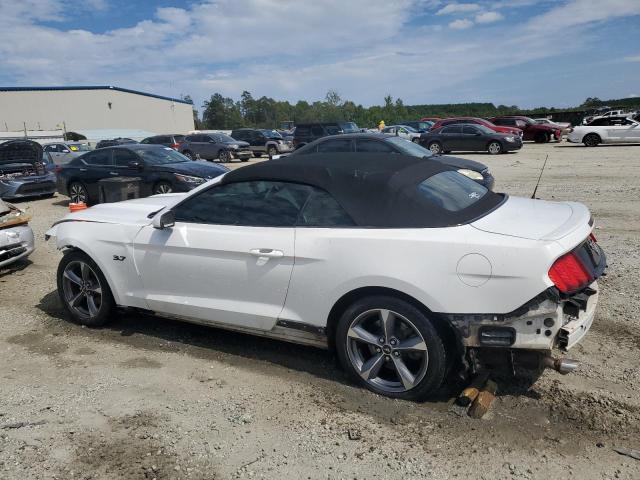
x=15 y=243
x=545 y=323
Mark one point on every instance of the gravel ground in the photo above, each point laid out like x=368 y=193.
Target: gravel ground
x=150 y=398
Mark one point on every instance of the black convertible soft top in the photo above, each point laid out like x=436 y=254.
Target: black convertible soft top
x=379 y=190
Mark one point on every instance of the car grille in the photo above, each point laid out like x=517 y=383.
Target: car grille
x=11 y=251
x=35 y=188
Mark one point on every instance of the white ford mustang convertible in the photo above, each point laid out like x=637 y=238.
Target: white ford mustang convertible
x=403 y=266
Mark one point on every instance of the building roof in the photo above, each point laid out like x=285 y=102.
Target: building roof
x=91 y=87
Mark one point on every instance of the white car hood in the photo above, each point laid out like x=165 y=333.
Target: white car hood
x=131 y=212
x=535 y=219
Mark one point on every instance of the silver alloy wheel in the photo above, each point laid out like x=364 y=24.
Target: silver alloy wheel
x=163 y=188
x=77 y=193
x=494 y=148
x=224 y=156
x=188 y=155
x=387 y=350
x=435 y=148
x=272 y=151
x=82 y=289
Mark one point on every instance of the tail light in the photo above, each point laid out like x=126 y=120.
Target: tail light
x=568 y=274
x=175 y=146
x=57 y=168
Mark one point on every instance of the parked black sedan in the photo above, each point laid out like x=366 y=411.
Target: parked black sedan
x=161 y=170
x=469 y=138
x=383 y=143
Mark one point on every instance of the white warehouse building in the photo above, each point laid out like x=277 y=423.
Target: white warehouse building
x=92 y=108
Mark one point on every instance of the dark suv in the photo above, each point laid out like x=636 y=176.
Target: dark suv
x=214 y=146
x=308 y=132
x=263 y=141
x=172 y=141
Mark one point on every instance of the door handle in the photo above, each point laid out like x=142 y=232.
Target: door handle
x=266 y=252
x=113 y=173
x=83 y=169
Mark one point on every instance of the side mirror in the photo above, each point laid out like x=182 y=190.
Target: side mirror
x=137 y=165
x=166 y=219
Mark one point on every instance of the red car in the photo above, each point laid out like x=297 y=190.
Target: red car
x=430 y=119
x=477 y=121
x=539 y=133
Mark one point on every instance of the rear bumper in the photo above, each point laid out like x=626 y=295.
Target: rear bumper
x=15 y=243
x=545 y=325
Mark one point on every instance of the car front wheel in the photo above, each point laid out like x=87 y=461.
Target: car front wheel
x=78 y=193
x=494 y=148
x=390 y=347
x=188 y=154
x=83 y=290
x=224 y=156
x=162 y=187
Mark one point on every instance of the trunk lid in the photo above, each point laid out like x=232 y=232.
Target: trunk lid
x=535 y=219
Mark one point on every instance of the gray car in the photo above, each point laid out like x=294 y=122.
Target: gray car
x=61 y=153
x=214 y=146
x=16 y=237
x=22 y=171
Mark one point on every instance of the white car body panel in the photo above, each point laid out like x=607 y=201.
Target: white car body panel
x=608 y=133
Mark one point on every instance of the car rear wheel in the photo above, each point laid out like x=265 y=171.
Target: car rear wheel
x=591 y=140
x=416 y=140
x=494 y=148
x=188 y=154
x=390 y=347
x=83 y=289
x=224 y=156
x=257 y=154
x=162 y=187
x=78 y=193
x=435 y=148
x=272 y=151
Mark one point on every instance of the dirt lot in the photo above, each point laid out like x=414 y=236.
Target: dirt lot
x=151 y=398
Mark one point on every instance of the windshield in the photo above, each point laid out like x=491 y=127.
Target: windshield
x=222 y=138
x=451 y=191
x=160 y=156
x=411 y=129
x=271 y=134
x=484 y=129
x=78 y=147
x=408 y=147
x=349 y=127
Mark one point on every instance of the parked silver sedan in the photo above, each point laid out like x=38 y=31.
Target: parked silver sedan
x=61 y=153
x=16 y=236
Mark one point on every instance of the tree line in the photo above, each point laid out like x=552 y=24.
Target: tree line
x=225 y=113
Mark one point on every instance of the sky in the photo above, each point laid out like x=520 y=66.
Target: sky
x=513 y=52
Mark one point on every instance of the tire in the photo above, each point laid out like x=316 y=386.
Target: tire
x=591 y=140
x=80 y=279
x=224 y=156
x=416 y=140
x=257 y=154
x=494 y=148
x=162 y=187
x=272 y=151
x=541 y=138
x=188 y=154
x=436 y=148
x=78 y=193
x=372 y=357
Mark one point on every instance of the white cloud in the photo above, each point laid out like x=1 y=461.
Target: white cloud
x=582 y=12
x=458 y=8
x=461 y=24
x=633 y=58
x=489 y=17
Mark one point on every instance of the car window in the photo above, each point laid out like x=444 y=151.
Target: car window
x=98 y=158
x=365 y=145
x=452 y=129
x=322 y=210
x=337 y=145
x=318 y=130
x=122 y=157
x=51 y=148
x=162 y=139
x=468 y=130
x=600 y=122
x=257 y=204
x=451 y=191
x=302 y=131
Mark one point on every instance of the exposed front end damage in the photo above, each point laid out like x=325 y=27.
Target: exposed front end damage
x=16 y=236
x=22 y=172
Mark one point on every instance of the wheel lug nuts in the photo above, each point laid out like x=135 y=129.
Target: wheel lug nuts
x=378 y=350
x=381 y=339
x=397 y=354
x=393 y=342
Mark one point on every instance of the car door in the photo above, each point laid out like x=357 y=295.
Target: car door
x=633 y=131
x=97 y=165
x=335 y=145
x=451 y=138
x=198 y=146
x=228 y=258
x=258 y=141
x=128 y=164
x=473 y=138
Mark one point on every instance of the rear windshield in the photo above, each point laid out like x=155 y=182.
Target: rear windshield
x=451 y=191
x=349 y=127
